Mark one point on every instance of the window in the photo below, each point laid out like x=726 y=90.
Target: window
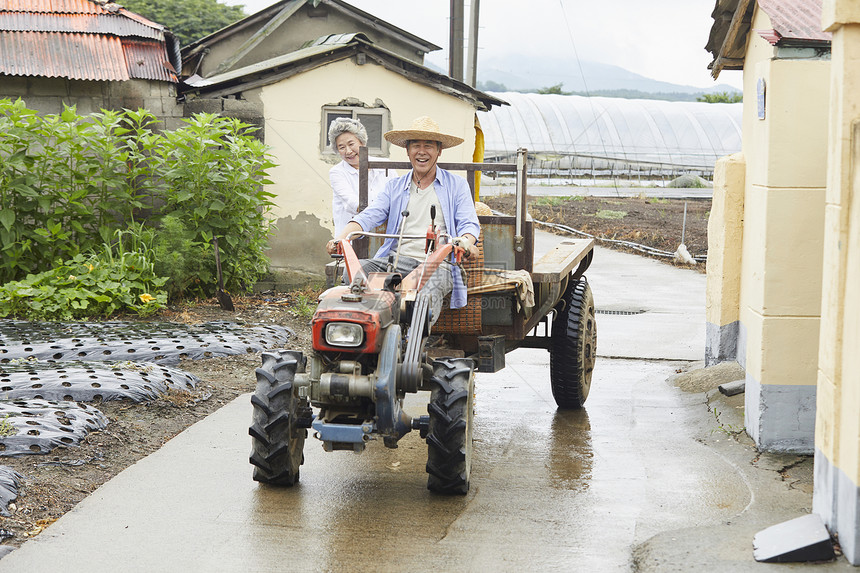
x=375 y=121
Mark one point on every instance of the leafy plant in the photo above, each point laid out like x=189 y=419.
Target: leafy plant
x=100 y=284
x=62 y=189
x=69 y=183
x=304 y=305
x=215 y=171
x=6 y=428
x=188 y=264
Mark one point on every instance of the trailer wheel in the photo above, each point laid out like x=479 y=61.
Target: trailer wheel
x=573 y=347
x=277 y=439
x=449 y=436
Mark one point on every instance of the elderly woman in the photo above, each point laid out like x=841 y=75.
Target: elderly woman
x=346 y=136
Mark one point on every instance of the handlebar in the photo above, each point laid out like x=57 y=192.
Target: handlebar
x=355 y=234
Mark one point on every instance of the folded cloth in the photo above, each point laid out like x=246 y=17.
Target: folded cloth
x=495 y=280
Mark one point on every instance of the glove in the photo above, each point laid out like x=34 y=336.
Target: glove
x=466 y=243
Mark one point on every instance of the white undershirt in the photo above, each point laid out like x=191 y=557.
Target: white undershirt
x=418 y=221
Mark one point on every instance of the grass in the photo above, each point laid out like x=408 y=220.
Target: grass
x=303 y=302
x=610 y=214
x=555 y=201
x=6 y=428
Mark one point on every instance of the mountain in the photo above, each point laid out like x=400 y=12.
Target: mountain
x=525 y=73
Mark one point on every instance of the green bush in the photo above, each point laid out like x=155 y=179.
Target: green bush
x=188 y=264
x=63 y=188
x=70 y=183
x=215 y=171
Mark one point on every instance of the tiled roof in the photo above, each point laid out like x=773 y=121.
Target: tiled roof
x=796 y=20
x=795 y=23
x=82 y=39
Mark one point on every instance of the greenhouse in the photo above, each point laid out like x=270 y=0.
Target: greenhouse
x=599 y=137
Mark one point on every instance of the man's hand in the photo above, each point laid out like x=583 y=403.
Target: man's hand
x=351 y=227
x=466 y=241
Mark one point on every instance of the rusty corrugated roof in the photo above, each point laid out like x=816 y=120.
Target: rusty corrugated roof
x=82 y=23
x=74 y=56
x=81 y=39
x=796 y=21
x=56 y=6
x=147 y=60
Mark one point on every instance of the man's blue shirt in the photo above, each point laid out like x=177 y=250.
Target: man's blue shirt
x=455 y=199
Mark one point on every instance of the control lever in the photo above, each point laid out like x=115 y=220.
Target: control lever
x=430 y=243
x=405 y=214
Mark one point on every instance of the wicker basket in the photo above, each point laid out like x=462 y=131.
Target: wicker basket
x=466 y=319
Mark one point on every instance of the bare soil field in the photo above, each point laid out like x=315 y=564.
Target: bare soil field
x=657 y=223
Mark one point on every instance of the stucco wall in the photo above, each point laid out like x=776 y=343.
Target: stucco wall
x=47 y=95
x=725 y=241
x=783 y=230
x=837 y=456
x=293 y=110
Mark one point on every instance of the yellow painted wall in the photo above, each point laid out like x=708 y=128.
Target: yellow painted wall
x=725 y=241
x=783 y=212
x=293 y=115
x=837 y=423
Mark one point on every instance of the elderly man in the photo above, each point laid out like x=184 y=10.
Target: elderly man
x=424 y=186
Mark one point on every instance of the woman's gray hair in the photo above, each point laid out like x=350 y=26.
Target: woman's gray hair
x=343 y=125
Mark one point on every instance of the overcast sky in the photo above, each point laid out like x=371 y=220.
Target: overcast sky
x=660 y=39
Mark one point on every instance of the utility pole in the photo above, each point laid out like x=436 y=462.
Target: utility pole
x=455 y=55
x=472 y=59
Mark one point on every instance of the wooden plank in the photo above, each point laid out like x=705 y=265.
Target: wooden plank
x=448 y=166
x=556 y=264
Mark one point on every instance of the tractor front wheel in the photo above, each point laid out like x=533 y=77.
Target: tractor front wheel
x=449 y=436
x=277 y=438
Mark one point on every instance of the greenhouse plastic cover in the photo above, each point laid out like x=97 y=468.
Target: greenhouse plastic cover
x=682 y=134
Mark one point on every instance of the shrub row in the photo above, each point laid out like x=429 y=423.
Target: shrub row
x=75 y=186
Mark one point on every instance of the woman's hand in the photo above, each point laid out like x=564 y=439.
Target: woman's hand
x=331 y=246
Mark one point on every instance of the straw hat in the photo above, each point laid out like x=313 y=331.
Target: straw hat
x=422 y=128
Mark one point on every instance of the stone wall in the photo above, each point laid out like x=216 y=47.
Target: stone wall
x=243 y=110
x=47 y=95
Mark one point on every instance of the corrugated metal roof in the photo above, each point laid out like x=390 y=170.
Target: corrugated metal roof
x=81 y=39
x=74 y=56
x=83 y=23
x=147 y=60
x=796 y=19
x=57 y=6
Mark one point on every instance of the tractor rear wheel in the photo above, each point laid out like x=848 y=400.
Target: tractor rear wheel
x=449 y=436
x=573 y=347
x=277 y=438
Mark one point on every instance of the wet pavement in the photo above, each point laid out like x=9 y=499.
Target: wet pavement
x=643 y=478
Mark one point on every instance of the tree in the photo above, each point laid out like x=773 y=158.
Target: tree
x=189 y=20
x=491 y=86
x=556 y=89
x=721 y=97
